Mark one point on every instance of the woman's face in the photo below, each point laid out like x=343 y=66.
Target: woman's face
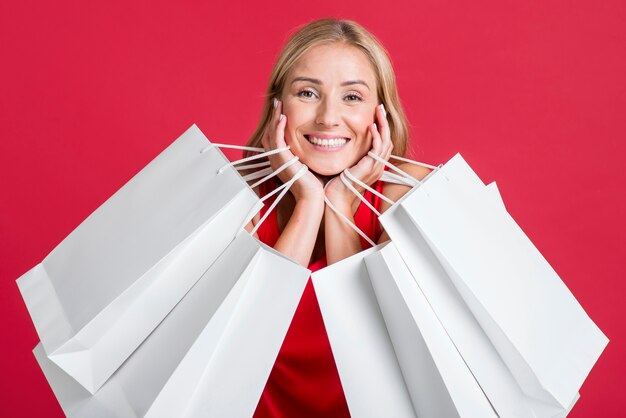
x=329 y=98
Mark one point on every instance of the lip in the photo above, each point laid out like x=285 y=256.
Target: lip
x=326 y=136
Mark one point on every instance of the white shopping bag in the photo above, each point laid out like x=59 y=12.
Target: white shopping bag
x=438 y=380
x=213 y=353
x=102 y=290
x=486 y=282
x=387 y=365
x=375 y=376
x=437 y=377
x=368 y=369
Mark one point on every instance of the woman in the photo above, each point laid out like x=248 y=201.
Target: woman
x=332 y=97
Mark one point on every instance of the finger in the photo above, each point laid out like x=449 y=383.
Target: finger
x=278 y=110
x=388 y=153
x=388 y=150
x=379 y=168
x=385 y=131
x=265 y=139
x=279 y=133
x=275 y=112
x=386 y=157
x=377 y=145
x=273 y=123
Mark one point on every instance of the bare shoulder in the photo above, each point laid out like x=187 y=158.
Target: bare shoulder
x=418 y=172
x=396 y=191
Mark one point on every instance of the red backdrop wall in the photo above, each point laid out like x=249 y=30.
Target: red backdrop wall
x=531 y=93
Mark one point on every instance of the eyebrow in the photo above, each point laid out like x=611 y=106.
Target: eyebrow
x=319 y=82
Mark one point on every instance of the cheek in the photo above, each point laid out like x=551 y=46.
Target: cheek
x=295 y=110
x=361 y=124
x=294 y=117
x=362 y=121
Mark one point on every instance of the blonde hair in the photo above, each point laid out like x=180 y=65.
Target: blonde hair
x=330 y=30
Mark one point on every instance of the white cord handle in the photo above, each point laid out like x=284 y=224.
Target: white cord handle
x=406 y=160
x=394 y=168
x=375 y=192
x=254 y=157
x=257 y=165
x=266 y=173
x=285 y=188
x=405 y=175
x=359 y=195
x=257 y=174
x=346 y=220
x=389 y=177
x=272 y=174
x=346 y=176
x=214 y=145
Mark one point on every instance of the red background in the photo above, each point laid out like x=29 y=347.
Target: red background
x=532 y=94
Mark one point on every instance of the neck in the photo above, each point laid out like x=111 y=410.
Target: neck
x=323 y=179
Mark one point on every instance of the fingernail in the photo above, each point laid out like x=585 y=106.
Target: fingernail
x=281 y=117
x=275 y=102
x=382 y=107
x=375 y=126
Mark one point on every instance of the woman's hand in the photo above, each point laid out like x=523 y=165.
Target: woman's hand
x=307 y=187
x=368 y=170
x=299 y=235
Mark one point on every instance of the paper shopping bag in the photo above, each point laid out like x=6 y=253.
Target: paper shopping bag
x=465 y=332
x=106 y=286
x=377 y=346
x=213 y=353
x=438 y=381
x=478 y=353
x=368 y=369
x=490 y=284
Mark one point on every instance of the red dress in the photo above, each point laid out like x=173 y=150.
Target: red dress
x=304 y=381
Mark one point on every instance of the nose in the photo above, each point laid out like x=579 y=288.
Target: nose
x=327 y=113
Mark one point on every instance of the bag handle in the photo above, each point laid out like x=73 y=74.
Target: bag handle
x=265 y=174
x=262 y=154
x=214 y=145
x=395 y=179
x=402 y=173
x=404 y=179
x=344 y=178
x=257 y=165
x=254 y=157
x=284 y=188
x=268 y=173
x=345 y=219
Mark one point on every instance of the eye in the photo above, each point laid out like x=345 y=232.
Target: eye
x=307 y=94
x=354 y=98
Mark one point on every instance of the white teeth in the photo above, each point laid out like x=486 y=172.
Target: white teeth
x=333 y=142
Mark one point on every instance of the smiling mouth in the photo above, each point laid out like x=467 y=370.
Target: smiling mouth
x=329 y=144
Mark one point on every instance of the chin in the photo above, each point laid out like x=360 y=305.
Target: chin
x=326 y=169
x=327 y=173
